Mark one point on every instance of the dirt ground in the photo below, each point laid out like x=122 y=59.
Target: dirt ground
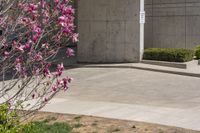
x=89 y=124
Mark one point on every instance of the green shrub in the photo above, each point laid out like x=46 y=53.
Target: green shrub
x=197 y=52
x=169 y=54
x=10 y=123
x=9 y=120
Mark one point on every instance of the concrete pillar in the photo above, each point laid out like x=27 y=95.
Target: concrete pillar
x=109 y=31
x=142 y=22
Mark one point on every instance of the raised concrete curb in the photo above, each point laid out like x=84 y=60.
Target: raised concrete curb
x=164 y=63
x=184 y=118
x=193 y=72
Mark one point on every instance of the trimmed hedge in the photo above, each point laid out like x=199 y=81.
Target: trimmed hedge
x=169 y=54
x=197 y=52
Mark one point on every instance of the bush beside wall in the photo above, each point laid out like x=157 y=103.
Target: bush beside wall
x=197 y=52
x=169 y=54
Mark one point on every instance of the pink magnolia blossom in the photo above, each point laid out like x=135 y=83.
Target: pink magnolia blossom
x=70 y=52
x=46 y=71
x=45 y=45
x=6 y=54
x=32 y=8
x=33 y=95
x=38 y=57
x=65 y=84
x=59 y=70
x=36 y=71
x=26 y=46
x=56 y=2
x=68 y=10
x=18 y=67
x=37 y=29
x=46 y=99
x=54 y=88
x=75 y=37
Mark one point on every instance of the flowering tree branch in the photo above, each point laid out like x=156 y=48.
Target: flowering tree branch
x=33 y=31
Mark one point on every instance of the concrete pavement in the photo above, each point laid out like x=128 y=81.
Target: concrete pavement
x=132 y=94
x=185 y=118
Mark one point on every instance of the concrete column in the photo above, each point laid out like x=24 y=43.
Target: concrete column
x=142 y=21
x=109 y=31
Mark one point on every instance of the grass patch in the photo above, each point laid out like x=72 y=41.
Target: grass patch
x=43 y=127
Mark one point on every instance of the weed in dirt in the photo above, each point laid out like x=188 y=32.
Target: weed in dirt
x=78 y=125
x=77 y=118
x=49 y=119
x=94 y=124
x=115 y=130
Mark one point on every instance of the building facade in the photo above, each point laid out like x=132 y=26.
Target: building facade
x=172 y=23
x=110 y=29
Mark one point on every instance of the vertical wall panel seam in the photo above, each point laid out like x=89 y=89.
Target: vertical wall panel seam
x=185 y=25
x=153 y=23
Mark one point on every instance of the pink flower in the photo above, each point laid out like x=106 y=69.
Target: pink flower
x=54 y=88
x=61 y=20
x=37 y=29
x=36 y=38
x=66 y=84
x=32 y=7
x=46 y=71
x=42 y=3
x=25 y=21
x=46 y=99
x=18 y=46
x=20 y=49
x=38 y=32
x=18 y=67
x=70 y=52
x=18 y=60
x=59 y=70
x=75 y=37
x=35 y=71
x=27 y=46
x=70 y=79
x=69 y=10
x=38 y=56
x=66 y=1
x=67 y=30
x=33 y=96
x=45 y=45
x=56 y=1
x=6 y=54
x=60 y=67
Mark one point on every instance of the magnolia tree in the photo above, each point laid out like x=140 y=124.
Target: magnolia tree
x=32 y=33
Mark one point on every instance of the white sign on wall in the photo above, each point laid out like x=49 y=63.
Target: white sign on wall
x=142 y=17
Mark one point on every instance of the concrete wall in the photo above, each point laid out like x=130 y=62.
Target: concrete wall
x=109 y=31
x=172 y=23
